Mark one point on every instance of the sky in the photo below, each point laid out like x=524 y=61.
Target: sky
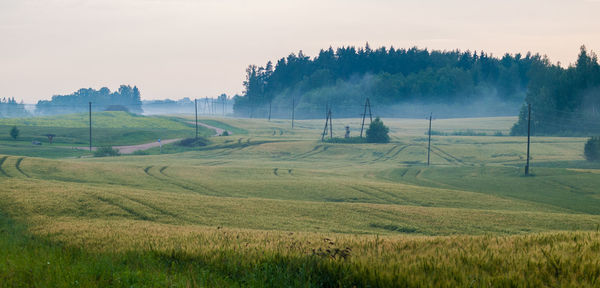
x=185 y=48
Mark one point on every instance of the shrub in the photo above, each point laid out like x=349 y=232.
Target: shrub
x=106 y=151
x=14 y=132
x=377 y=132
x=140 y=152
x=351 y=140
x=225 y=133
x=591 y=151
x=191 y=142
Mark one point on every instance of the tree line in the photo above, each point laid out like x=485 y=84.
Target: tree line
x=9 y=108
x=126 y=97
x=346 y=76
x=564 y=101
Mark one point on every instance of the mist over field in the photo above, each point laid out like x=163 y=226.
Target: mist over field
x=347 y=100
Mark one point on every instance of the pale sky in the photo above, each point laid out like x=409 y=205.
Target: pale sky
x=185 y=48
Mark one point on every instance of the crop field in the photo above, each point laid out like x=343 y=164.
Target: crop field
x=274 y=206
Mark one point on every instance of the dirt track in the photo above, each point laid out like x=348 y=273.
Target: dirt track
x=218 y=131
x=132 y=148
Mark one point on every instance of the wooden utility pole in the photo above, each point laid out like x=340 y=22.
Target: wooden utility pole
x=293 y=106
x=528 y=137
x=326 y=124
x=429 y=142
x=362 y=126
x=196 y=109
x=330 y=125
x=271 y=101
x=90 y=103
x=370 y=114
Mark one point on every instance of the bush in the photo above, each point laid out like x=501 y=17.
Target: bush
x=377 y=132
x=14 y=132
x=351 y=140
x=191 y=142
x=225 y=133
x=106 y=151
x=140 y=152
x=591 y=151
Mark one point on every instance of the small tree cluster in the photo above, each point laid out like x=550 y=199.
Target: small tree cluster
x=591 y=151
x=377 y=132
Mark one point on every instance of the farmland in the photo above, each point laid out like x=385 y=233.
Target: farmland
x=109 y=129
x=275 y=206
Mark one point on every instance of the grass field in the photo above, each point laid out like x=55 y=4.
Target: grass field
x=274 y=206
x=108 y=129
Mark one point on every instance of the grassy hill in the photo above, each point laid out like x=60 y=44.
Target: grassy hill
x=108 y=128
x=260 y=208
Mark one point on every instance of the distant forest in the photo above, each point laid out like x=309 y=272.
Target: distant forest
x=414 y=82
x=9 y=108
x=564 y=101
x=399 y=83
x=102 y=99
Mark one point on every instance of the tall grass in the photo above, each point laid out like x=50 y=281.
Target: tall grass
x=225 y=257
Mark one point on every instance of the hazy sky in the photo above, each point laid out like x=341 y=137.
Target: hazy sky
x=185 y=48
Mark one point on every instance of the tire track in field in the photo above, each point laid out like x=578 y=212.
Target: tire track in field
x=385 y=155
x=446 y=156
x=371 y=194
x=18 y=167
x=400 y=151
x=406 y=200
x=149 y=205
x=123 y=207
x=236 y=147
x=2 y=170
x=180 y=185
x=388 y=157
x=316 y=150
x=162 y=172
x=147 y=169
x=418 y=174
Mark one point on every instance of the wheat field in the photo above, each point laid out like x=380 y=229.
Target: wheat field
x=274 y=206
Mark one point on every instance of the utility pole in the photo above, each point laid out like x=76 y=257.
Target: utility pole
x=293 y=106
x=326 y=124
x=224 y=99
x=271 y=101
x=370 y=114
x=528 y=136
x=90 y=103
x=362 y=126
x=196 y=109
x=429 y=142
x=330 y=125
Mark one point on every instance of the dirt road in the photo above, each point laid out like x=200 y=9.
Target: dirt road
x=132 y=148
x=218 y=131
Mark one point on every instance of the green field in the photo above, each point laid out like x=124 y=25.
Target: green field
x=108 y=129
x=274 y=206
